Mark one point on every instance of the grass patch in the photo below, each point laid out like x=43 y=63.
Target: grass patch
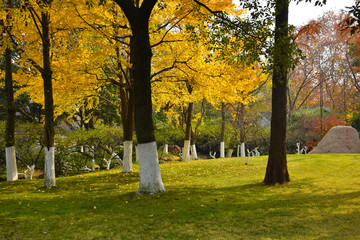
x=205 y=199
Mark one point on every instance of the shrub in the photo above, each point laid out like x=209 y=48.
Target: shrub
x=76 y=149
x=355 y=121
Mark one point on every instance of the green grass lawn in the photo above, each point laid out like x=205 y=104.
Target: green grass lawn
x=204 y=199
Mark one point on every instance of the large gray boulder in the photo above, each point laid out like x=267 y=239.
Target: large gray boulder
x=339 y=139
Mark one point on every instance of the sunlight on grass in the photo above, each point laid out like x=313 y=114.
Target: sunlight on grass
x=205 y=199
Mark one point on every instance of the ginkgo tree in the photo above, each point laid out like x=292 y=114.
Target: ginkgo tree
x=181 y=63
x=115 y=48
x=196 y=74
x=7 y=47
x=49 y=46
x=138 y=14
x=187 y=67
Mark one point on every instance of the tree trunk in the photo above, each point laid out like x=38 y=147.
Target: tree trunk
x=222 y=137
x=321 y=106
x=242 y=148
x=229 y=153
x=186 y=152
x=242 y=123
x=194 y=154
x=166 y=149
x=11 y=167
x=241 y=120
x=150 y=177
x=127 y=115
x=137 y=153
x=49 y=173
x=127 y=110
x=276 y=171
x=127 y=158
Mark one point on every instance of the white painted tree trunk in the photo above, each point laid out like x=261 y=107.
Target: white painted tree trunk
x=87 y=169
x=194 y=152
x=11 y=167
x=116 y=157
x=256 y=152
x=166 y=149
x=243 y=154
x=222 y=149
x=49 y=170
x=247 y=161
x=23 y=174
x=229 y=153
x=31 y=170
x=150 y=176
x=127 y=158
x=108 y=163
x=298 y=148
x=186 y=151
x=93 y=165
x=137 y=153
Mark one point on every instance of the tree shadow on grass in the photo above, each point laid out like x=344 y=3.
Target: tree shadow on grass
x=253 y=211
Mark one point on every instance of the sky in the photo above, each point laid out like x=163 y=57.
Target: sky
x=304 y=12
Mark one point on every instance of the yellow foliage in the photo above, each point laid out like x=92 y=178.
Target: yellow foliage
x=72 y=62
x=89 y=44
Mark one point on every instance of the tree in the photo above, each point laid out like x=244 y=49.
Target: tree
x=49 y=54
x=327 y=74
x=46 y=73
x=353 y=20
x=138 y=17
x=276 y=170
x=222 y=135
x=11 y=167
x=116 y=47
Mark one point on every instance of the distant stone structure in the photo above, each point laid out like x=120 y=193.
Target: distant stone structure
x=339 y=139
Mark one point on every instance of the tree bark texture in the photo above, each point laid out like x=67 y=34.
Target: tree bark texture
x=139 y=23
x=242 y=123
x=10 y=106
x=11 y=167
x=126 y=90
x=127 y=96
x=187 y=142
x=47 y=77
x=223 y=119
x=127 y=117
x=49 y=178
x=276 y=171
x=188 y=121
x=138 y=17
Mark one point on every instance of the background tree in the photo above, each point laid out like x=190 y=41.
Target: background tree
x=11 y=166
x=323 y=83
x=108 y=22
